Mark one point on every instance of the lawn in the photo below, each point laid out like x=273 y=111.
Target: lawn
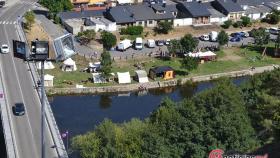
x=229 y=59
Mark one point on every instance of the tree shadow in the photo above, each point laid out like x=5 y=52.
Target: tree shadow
x=181 y=72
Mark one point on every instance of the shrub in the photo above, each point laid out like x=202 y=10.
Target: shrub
x=227 y=24
x=237 y=24
x=246 y=21
x=164 y=27
x=132 y=30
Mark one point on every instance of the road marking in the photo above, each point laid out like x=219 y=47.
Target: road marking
x=4 y=22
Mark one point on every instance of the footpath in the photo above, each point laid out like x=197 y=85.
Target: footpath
x=156 y=84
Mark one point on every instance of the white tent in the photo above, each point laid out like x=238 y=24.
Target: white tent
x=202 y=54
x=69 y=65
x=124 y=77
x=47 y=65
x=48 y=80
x=98 y=78
x=142 y=76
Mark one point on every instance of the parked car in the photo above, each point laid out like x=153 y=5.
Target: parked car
x=167 y=42
x=5 y=49
x=151 y=43
x=244 y=34
x=204 y=37
x=139 y=43
x=160 y=42
x=274 y=30
x=236 y=39
x=18 y=109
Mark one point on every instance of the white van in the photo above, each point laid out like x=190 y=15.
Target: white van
x=151 y=43
x=138 y=43
x=123 y=45
x=213 y=36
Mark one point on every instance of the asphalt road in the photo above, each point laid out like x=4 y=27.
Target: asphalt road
x=19 y=89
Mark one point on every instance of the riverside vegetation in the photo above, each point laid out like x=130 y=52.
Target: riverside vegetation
x=240 y=119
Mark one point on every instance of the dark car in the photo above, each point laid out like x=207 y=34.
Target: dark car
x=19 y=109
x=235 y=39
x=160 y=42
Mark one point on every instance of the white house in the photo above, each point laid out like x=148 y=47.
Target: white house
x=182 y=22
x=256 y=12
x=217 y=17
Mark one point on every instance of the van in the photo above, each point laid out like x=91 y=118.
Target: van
x=151 y=43
x=138 y=43
x=123 y=45
x=213 y=36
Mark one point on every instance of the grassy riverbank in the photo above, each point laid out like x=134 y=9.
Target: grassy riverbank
x=229 y=59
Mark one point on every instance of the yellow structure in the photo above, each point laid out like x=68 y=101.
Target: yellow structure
x=168 y=75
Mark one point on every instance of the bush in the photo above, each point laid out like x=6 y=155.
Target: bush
x=190 y=63
x=132 y=30
x=164 y=27
x=246 y=21
x=237 y=24
x=227 y=24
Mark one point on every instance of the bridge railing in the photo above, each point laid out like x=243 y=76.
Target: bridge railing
x=51 y=122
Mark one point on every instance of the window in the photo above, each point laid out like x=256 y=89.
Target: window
x=150 y=21
x=140 y=22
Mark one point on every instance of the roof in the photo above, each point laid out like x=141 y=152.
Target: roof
x=195 y=9
x=161 y=69
x=227 y=5
x=253 y=2
x=69 y=61
x=142 y=12
x=78 y=15
x=257 y=9
x=216 y=14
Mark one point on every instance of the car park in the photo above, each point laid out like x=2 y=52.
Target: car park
x=160 y=42
x=204 y=37
x=18 y=109
x=5 y=49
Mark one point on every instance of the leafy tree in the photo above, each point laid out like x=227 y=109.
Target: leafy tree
x=132 y=30
x=246 y=21
x=273 y=17
x=188 y=43
x=30 y=19
x=227 y=24
x=56 y=6
x=174 y=47
x=261 y=37
x=108 y=39
x=164 y=27
x=106 y=63
x=190 y=63
x=222 y=38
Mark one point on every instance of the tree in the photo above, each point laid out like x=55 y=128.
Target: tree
x=86 y=36
x=30 y=19
x=190 y=63
x=227 y=24
x=222 y=38
x=108 y=39
x=261 y=37
x=164 y=27
x=188 y=43
x=277 y=45
x=273 y=17
x=56 y=6
x=246 y=21
x=174 y=47
x=106 y=64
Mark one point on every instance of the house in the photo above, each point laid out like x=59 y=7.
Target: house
x=80 y=5
x=232 y=10
x=142 y=15
x=141 y=76
x=192 y=13
x=165 y=72
x=123 y=77
x=216 y=16
x=254 y=9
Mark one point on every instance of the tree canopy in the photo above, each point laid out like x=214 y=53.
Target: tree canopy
x=164 y=27
x=222 y=38
x=30 y=19
x=108 y=39
x=189 y=43
x=106 y=63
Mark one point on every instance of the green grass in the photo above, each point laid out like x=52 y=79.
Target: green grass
x=247 y=57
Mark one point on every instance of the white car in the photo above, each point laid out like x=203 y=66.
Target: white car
x=204 y=37
x=5 y=48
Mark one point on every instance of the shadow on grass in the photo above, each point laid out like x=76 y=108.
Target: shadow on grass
x=269 y=50
x=181 y=73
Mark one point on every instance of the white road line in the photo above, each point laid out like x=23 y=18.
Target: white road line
x=4 y=22
x=15 y=22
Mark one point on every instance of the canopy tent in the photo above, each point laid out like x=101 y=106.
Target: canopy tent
x=48 y=80
x=141 y=76
x=204 y=55
x=98 y=78
x=123 y=77
x=94 y=67
x=69 y=65
x=47 y=65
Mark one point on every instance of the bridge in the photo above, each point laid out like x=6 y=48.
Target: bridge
x=17 y=85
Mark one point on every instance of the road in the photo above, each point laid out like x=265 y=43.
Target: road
x=19 y=88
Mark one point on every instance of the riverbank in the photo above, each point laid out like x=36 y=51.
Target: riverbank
x=156 y=84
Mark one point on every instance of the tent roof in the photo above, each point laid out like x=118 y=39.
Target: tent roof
x=202 y=54
x=48 y=77
x=124 y=77
x=69 y=61
x=141 y=73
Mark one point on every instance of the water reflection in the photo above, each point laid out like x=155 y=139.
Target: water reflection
x=105 y=101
